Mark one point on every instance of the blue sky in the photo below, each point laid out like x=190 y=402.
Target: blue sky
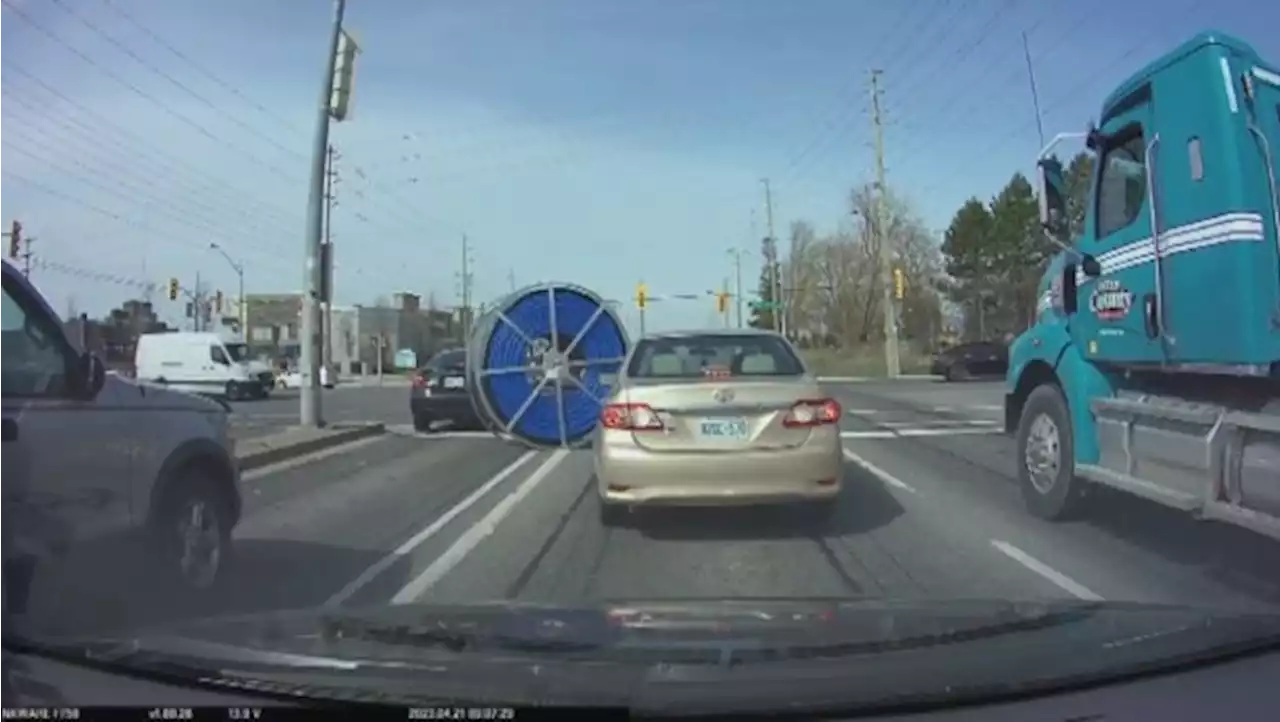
x=598 y=142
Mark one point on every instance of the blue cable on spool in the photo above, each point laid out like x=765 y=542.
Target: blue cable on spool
x=548 y=393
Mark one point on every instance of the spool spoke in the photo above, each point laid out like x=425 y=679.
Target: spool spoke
x=564 y=430
x=585 y=328
x=583 y=388
x=512 y=325
x=519 y=414
x=554 y=366
x=508 y=370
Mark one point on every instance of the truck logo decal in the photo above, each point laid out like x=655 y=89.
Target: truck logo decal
x=1111 y=301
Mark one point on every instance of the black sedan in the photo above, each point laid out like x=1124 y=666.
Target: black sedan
x=970 y=360
x=439 y=397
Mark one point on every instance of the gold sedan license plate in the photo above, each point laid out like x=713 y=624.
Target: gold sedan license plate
x=731 y=429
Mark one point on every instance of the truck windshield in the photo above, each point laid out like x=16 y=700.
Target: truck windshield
x=238 y=351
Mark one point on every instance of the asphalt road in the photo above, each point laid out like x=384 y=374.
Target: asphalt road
x=388 y=403
x=930 y=510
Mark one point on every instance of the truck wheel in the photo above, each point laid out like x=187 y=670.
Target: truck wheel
x=1046 y=456
x=193 y=532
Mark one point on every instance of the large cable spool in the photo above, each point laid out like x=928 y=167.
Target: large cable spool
x=542 y=362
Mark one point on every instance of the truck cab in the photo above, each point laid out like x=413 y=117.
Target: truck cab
x=1154 y=362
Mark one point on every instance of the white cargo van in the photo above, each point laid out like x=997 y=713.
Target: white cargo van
x=202 y=363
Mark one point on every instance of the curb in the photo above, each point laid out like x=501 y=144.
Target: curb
x=341 y=435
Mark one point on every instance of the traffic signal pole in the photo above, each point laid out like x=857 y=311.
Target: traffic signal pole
x=309 y=408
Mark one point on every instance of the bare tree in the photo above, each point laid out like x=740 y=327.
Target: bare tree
x=835 y=278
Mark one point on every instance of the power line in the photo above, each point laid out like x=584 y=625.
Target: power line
x=142 y=93
x=1073 y=92
x=143 y=147
x=174 y=81
x=158 y=39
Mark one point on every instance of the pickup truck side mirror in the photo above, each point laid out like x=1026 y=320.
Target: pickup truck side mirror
x=88 y=376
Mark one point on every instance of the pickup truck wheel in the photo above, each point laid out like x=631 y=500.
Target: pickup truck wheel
x=1046 y=454
x=193 y=531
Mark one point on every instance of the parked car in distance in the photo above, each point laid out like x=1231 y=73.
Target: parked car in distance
x=438 y=395
x=717 y=418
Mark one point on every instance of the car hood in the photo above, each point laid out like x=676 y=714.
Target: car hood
x=694 y=655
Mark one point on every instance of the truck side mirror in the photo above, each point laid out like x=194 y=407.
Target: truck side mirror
x=1070 y=292
x=1053 y=201
x=1091 y=267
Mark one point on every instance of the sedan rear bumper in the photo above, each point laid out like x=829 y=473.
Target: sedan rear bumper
x=628 y=474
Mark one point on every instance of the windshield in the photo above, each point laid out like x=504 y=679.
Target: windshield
x=238 y=351
x=688 y=355
x=449 y=360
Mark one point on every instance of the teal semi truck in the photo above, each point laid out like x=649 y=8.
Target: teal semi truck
x=1153 y=366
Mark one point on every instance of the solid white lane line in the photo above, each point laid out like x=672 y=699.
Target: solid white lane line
x=904 y=433
x=879 y=473
x=937 y=423
x=1062 y=581
x=418 y=539
x=477 y=533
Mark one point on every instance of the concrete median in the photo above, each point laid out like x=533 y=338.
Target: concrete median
x=260 y=451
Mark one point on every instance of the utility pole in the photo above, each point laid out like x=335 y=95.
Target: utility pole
x=197 y=306
x=771 y=258
x=27 y=255
x=724 y=287
x=891 y=360
x=242 y=311
x=333 y=104
x=736 y=254
x=511 y=279
x=464 y=282
x=326 y=258
x=20 y=246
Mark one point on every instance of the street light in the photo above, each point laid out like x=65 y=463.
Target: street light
x=241 y=310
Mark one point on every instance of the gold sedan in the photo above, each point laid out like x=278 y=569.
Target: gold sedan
x=716 y=418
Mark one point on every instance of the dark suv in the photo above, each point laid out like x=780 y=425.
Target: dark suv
x=439 y=393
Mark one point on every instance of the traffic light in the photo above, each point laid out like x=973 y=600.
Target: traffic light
x=217 y=301
x=722 y=302
x=173 y=289
x=899 y=284
x=15 y=240
x=642 y=296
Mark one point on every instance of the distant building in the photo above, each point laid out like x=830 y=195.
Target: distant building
x=275 y=330
x=115 y=338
